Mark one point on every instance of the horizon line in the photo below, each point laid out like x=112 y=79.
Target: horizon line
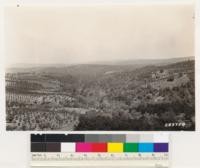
x=92 y=62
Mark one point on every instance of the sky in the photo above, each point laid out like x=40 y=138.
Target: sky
x=84 y=34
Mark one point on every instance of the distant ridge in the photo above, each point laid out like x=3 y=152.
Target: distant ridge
x=146 y=61
x=108 y=65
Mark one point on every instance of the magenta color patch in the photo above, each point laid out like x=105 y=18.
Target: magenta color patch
x=83 y=147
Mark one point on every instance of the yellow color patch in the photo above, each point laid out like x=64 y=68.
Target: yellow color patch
x=115 y=147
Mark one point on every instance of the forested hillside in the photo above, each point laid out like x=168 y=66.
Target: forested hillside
x=103 y=97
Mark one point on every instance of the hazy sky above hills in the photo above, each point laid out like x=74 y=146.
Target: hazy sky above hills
x=81 y=34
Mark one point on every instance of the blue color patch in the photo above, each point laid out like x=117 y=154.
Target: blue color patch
x=145 y=147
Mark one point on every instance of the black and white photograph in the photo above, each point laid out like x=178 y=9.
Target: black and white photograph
x=112 y=67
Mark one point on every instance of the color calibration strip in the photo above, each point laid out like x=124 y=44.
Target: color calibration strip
x=100 y=150
x=100 y=143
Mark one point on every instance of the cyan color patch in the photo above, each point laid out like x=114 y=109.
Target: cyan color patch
x=145 y=147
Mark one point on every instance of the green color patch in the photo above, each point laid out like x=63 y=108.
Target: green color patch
x=130 y=147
